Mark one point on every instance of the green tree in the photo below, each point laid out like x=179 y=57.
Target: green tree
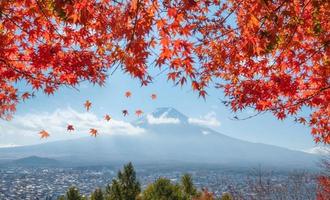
x=188 y=188
x=73 y=194
x=226 y=196
x=113 y=191
x=97 y=195
x=163 y=189
x=129 y=185
x=125 y=187
x=62 y=197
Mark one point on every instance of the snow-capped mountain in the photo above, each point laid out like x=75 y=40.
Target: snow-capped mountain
x=164 y=115
x=168 y=137
x=168 y=112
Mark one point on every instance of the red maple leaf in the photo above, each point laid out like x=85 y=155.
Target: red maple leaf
x=70 y=128
x=44 y=134
x=107 y=117
x=153 y=96
x=88 y=105
x=138 y=113
x=128 y=94
x=93 y=132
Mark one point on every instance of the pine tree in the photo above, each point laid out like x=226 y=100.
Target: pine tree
x=97 y=195
x=126 y=186
x=188 y=188
x=226 y=196
x=73 y=194
x=129 y=185
x=113 y=191
x=62 y=197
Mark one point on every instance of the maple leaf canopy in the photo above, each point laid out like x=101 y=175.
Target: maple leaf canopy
x=272 y=56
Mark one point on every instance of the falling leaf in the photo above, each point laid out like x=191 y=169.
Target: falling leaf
x=138 y=113
x=93 y=132
x=107 y=117
x=128 y=94
x=70 y=128
x=44 y=134
x=25 y=96
x=153 y=96
x=125 y=112
x=88 y=105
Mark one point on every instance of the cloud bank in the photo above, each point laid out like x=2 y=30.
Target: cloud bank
x=24 y=129
x=209 y=120
x=162 y=120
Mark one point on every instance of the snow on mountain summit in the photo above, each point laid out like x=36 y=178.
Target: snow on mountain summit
x=168 y=112
x=164 y=115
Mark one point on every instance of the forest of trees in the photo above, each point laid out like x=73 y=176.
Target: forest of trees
x=127 y=187
x=298 y=185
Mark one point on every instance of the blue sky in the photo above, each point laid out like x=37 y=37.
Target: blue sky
x=110 y=99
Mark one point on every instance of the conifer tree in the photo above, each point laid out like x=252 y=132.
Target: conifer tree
x=97 y=194
x=130 y=186
x=125 y=187
x=113 y=191
x=73 y=194
x=188 y=188
x=62 y=197
x=226 y=196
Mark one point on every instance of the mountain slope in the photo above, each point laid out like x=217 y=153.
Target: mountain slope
x=34 y=161
x=170 y=139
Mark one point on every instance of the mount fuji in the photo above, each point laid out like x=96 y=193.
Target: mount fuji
x=168 y=137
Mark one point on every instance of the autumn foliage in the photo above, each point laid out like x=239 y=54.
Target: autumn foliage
x=323 y=192
x=323 y=189
x=272 y=56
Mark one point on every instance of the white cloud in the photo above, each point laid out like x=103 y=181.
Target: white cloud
x=209 y=120
x=162 y=120
x=24 y=129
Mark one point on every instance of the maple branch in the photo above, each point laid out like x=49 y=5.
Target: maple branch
x=303 y=100
x=16 y=70
x=236 y=118
x=117 y=2
x=44 y=14
x=233 y=10
x=135 y=24
x=271 y=13
x=54 y=28
x=20 y=28
x=292 y=34
x=113 y=72
x=313 y=95
x=130 y=40
x=18 y=60
x=161 y=72
x=25 y=73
